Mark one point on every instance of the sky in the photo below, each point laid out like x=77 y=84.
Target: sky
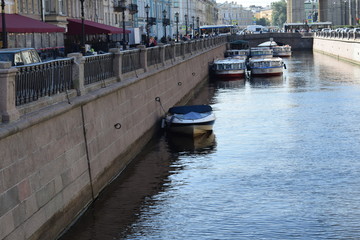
x=247 y=3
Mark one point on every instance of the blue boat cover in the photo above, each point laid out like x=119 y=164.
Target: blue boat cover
x=193 y=115
x=192 y=108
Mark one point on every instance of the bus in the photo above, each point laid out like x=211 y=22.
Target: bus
x=217 y=29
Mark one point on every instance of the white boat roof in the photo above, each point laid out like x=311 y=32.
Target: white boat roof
x=268 y=59
x=237 y=50
x=268 y=44
x=229 y=60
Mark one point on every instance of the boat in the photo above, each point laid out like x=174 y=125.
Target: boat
x=278 y=50
x=271 y=66
x=282 y=51
x=192 y=120
x=237 y=53
x=261 y=52
x=229 y=68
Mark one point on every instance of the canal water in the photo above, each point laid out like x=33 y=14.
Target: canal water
x=283 y=162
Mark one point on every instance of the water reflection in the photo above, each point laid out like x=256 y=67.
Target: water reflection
x=236 y=83
x=267 y=81
x=203 y=144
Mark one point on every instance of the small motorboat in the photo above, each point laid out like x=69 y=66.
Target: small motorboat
x=266 y=66
x=230 y=67
x=191 y=120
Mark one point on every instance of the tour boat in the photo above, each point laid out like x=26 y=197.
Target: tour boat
x=230 y=67
x=272 y=66
x=282 y=51
x=278 y=51
x=191 y=120
x=237 y=53
x=261 y=52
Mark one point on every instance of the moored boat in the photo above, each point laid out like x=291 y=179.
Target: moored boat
x=282 y=51
x=266 y=66
x=191 y=120
x=237 y=53
x=261 y=52
x=278 y=50
x=230 y=67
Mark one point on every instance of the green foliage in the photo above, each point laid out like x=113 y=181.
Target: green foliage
x=262 y=21
x=279 y=13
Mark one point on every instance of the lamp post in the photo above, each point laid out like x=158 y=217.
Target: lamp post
x=164 y=23
x=147 y=7
x=193 y=26
x=198 y=25
x=186 y=24
x=345 y=12
x=82 y=27
x=123 y=8
x=4 y=34
x=177 y=26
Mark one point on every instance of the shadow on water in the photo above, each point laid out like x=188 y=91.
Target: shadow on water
x=203 y=144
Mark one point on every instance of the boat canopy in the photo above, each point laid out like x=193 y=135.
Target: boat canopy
x=187 y=109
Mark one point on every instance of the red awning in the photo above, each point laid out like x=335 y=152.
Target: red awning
x=75 y=26
x=16 y=23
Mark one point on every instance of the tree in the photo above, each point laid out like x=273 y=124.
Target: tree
x=262 y=21
x=279 y=13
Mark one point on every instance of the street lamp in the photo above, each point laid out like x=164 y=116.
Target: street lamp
x=82 y=27
x=193 y=26
x=198 y=25
x=186 y=24
x=4 y=34
x=121 y=7
x=164 y=23
x=177 y=26
x=147 y=7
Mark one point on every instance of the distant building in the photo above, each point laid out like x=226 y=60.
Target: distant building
x=234 y=14
x=265 y=13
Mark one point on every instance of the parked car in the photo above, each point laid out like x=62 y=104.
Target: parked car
x=19 y=56
x=326 y=30
x=355 y=30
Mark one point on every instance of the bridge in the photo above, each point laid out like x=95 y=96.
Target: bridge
x=68 y=127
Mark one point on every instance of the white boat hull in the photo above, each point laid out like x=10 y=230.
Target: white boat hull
x=230 y=73
x=267 y=71
x=190 y=127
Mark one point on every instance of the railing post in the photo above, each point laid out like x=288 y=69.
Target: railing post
x=143 y=57
x=78 y=72
x=117 y=66
x=162 y=53
x=173 y=49
x=8 y=111
x=183 y=49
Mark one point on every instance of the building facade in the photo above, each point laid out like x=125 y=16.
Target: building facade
x=231 y=13
x=339 y=12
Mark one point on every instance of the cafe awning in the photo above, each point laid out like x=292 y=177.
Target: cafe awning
x=16 y=23
x=75 y=28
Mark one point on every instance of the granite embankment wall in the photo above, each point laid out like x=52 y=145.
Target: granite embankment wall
x=57 y=159
x=342 y=47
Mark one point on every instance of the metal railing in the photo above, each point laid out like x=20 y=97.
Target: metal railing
x=153 y=56
x=45 y=79
x=98 y=68
x=131 y=61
